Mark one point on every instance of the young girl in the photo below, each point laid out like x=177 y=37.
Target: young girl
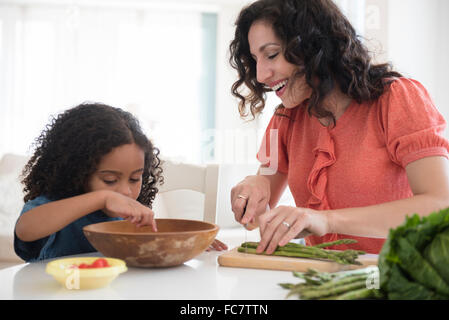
x=92 y=164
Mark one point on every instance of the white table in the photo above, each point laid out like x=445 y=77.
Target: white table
x=198 y=279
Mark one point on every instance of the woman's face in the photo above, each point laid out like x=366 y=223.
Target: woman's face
x=120 y=170
x=273 y=70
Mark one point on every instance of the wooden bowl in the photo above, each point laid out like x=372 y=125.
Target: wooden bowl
x=176 y=241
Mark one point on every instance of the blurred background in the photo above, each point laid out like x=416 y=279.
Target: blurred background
x=166 y=61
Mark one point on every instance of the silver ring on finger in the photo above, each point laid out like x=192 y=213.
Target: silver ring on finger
x=285 y=223
x=242 y=197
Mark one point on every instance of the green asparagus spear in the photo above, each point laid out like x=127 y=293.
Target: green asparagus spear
x=298 y=250
x=287 y=285
x=340 y=282
x=298 y=254
x=323 y=276
x=293 y=246
x=278 y=253
x=316 y=294
x=363 y=293
x=335 y=243
x=334 y=286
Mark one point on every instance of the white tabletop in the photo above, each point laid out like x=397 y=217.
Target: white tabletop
x=198 y=279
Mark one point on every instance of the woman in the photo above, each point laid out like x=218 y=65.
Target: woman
x=359 y=145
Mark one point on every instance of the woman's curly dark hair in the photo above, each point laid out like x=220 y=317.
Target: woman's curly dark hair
x=70 y=148
x=318 y=39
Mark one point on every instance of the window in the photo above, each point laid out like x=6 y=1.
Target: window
x=156 y=62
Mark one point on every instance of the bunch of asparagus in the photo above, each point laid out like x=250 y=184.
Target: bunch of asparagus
x=313 y=252
x=349 y=285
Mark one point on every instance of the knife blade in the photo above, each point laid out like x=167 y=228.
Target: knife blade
x=251 y=225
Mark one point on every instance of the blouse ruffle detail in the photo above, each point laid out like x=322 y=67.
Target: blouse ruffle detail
x=324 y=154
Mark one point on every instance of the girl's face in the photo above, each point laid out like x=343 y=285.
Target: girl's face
x=272 y=68
x=121 y=171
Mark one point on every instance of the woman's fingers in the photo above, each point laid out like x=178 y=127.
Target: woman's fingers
x=249 y=198
x=251 y=209
x=251 y=225
x=266 y=229
x=278 y=227
x=283 y=231
x=244 y=206
x=292 y=229
x=296 y=230
x=238 y=203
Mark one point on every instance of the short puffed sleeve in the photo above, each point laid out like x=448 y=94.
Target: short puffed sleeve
x=412 y=125
x=273 y=151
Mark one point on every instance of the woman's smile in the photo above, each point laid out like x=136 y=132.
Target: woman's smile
x=279 y=87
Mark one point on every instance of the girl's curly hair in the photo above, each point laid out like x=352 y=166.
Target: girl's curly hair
x=70 y=148
x=318 y=39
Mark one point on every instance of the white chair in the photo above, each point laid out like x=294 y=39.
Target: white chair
x=202 y=192
x=11 y=203
x=184 y=176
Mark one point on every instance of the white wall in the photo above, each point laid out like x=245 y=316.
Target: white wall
x=418 y=45
x=441 y=92
x=230 y=128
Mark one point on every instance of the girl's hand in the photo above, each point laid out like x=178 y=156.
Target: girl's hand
x=217 y=245
x=284 y=223
x=118 y=205
x=250 y=198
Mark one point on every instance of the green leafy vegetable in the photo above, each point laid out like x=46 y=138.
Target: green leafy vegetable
x=414 y=261
x=413 y=265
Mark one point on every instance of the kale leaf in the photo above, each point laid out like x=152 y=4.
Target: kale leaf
x=414 y=261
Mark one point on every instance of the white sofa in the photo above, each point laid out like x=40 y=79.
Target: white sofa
x=11 y=203
x=184 y=204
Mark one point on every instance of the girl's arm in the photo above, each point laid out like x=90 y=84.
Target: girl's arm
x=428 y=179
x=51 y=217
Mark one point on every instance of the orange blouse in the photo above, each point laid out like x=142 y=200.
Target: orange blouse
x=361 y=161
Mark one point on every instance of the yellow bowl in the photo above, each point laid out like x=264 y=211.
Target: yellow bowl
x=90 y=278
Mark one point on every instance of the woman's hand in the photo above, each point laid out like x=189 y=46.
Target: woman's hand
x=118 y=205
x=250 y=198
x=284 y=223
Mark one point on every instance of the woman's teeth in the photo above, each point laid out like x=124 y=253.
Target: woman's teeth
x=279 y=85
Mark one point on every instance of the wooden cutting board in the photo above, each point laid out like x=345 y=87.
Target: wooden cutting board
x=237 y=259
